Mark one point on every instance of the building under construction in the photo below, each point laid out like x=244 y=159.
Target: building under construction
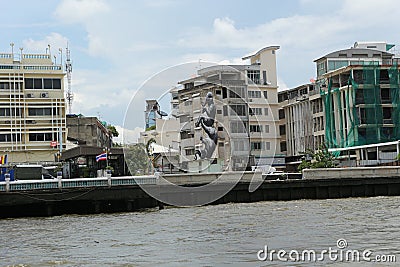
x=360 y=91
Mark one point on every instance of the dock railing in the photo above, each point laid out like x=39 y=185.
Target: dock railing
x=23 y=185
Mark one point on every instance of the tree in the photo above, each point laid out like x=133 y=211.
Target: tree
x=136 y=158
x=320 y=158
x=112 y=130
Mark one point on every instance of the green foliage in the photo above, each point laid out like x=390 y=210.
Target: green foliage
x=136 y=158
x=112 y=130
x=320 y=158
x=151 y=128
x=398 y=157
x=152 y=140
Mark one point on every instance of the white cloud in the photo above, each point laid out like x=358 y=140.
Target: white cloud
x=54 y=39
x=132 y=47
x=76 y=11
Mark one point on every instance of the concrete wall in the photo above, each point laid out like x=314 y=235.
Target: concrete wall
x=202 y=178
x=356 y=172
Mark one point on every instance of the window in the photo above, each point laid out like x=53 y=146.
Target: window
x=385 y=95
x=282 y=129
x=281 y=114
x=39 y=83
x=266 y=111
x=255 y=128
x=225 y=110
x=321 y=68
x=256 y=111
x=40 y=111
x=240 y=145
x=219 y=111
x=186 y=135
x=336 y=64
x=48 y=84
x=29 y=83
x=266 y=128
x=255 y=145
x=4 y=112
x=4 y=85
x=10 y=137
x=253 y=76
x=236 y=92
x=220 y=128
x=238 y=127
x=189 y=152
x=265 y=82
x=387 y=115
x=254 y=94
x=283 y=146
x=265 y=94
x=238 y=110
x=267 y=146
x=36 y=137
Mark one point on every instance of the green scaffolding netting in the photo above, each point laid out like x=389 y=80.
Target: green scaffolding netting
x=367 y=111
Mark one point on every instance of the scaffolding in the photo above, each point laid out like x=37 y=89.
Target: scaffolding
x=366 y=111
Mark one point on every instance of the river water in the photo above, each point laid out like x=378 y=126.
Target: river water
x=220 y=235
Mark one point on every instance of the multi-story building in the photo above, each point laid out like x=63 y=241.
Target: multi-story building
x=352 y=108
x=88 y=131
x=360 y=90
x=32 y=107
x=245 y=117
x=301 y=120
x=161 y=137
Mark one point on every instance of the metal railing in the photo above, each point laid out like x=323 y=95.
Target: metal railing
x=76 y=183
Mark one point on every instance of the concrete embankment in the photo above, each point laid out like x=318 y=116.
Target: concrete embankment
x=117 y=197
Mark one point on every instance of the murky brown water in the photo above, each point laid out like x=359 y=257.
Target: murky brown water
x=221 y=235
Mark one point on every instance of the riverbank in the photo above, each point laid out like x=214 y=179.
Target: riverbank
x=119 y=197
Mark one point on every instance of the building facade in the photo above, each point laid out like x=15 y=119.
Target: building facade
x=360 y=90
x=32 y=107
x=244 y=123
x=353 y=107
x=88 y=131
x=161 y=137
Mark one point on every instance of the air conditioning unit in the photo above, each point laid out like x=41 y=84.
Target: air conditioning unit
x=44 y=95
x=30 y=95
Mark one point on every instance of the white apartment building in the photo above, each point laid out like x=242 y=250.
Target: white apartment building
x=246 y=115
x=32 y=107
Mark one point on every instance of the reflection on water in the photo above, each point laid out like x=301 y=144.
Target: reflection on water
x=229 y=234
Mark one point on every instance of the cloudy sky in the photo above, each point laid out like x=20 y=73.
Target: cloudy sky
x=116 y=46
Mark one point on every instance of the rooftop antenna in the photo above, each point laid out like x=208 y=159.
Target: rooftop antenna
x=68 y=68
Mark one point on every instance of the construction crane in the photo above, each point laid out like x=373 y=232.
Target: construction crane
x=68 y=68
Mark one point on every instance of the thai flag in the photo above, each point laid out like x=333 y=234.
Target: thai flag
x=101 y=157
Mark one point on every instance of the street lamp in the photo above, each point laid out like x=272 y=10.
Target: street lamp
x=21 y=48
x=12 y=49
x=60 y=49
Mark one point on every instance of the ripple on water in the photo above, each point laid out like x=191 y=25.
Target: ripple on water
x=206 y=236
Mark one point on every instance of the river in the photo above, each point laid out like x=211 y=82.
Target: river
x=220 y=235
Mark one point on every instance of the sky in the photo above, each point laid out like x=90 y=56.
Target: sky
x=117 y=46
